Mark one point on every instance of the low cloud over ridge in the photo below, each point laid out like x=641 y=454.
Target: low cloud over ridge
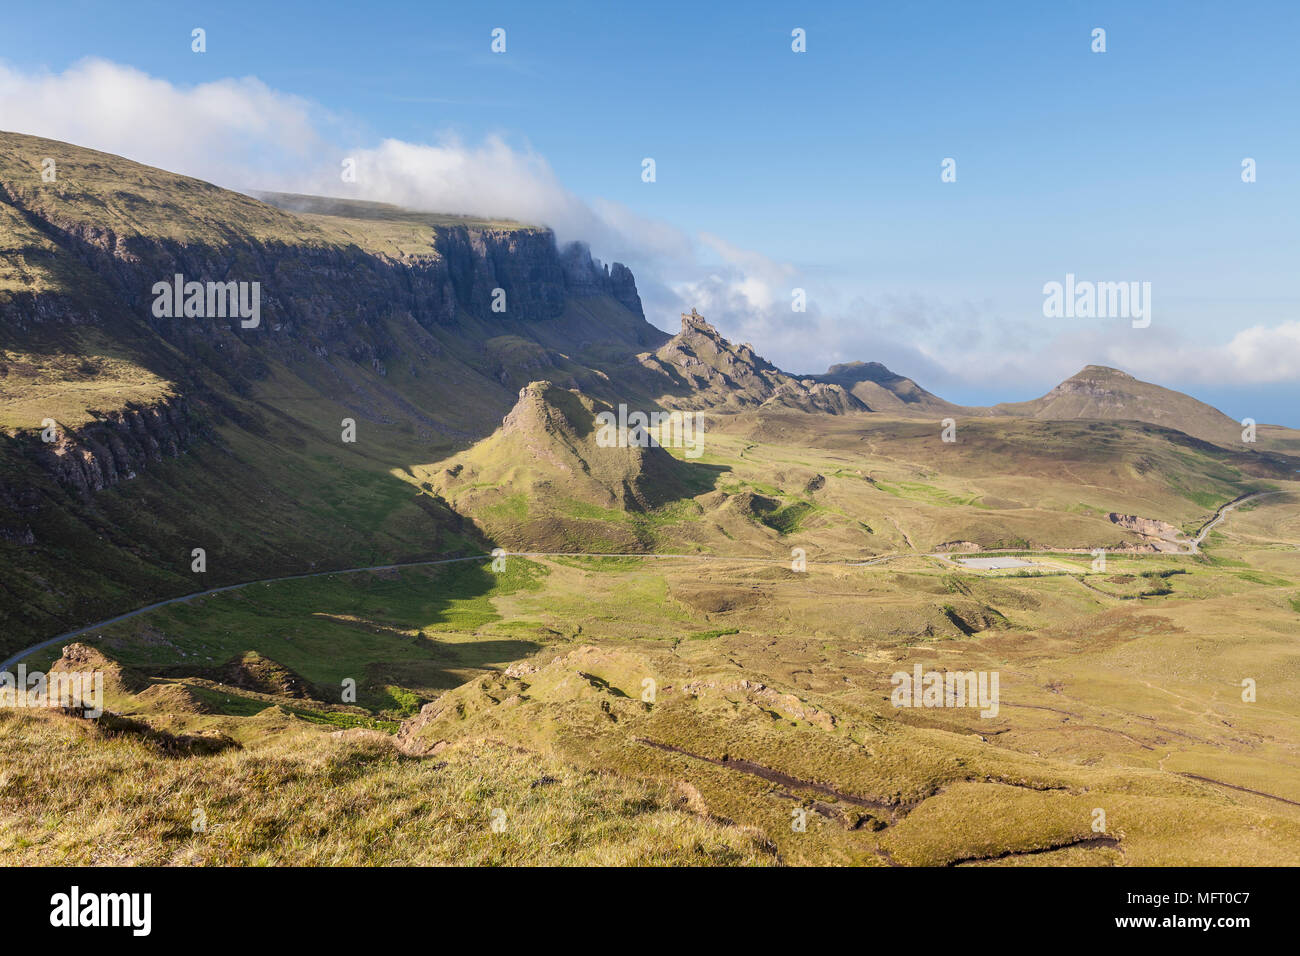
x=241 y=133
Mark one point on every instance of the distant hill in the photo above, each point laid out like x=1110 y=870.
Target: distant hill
x=549 y=471
x=884 y=391
x=1096 y=393
x=1107 y=394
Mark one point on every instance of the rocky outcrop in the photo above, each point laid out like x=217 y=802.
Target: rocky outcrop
x=957 y=546
x=252 y=671
x=117 y=446
x=622 y=286
x=1156 y=535
x=84 y=659
x=587 y=276
x=718 y=374
x=807 y=395
x=1147 y=527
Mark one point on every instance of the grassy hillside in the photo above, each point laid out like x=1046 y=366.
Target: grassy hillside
x=310 y=798
x=853 y=487
x=1103 y=393
x=694 y=709
x=373 y=315
x=544 y=480
x=714 y=689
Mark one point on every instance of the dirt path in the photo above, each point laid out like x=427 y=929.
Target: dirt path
x=1233 y=786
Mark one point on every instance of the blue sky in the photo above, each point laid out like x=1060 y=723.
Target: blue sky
x=818 y=170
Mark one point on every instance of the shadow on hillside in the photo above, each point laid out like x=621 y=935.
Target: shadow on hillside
x=699 y=478
x=266 y=488
x=305 y=638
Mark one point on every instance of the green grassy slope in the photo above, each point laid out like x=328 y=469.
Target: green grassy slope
x=733 y=691
x=370 y=314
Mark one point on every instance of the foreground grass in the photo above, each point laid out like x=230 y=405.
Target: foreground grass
x=70 y=794
x=771 y=695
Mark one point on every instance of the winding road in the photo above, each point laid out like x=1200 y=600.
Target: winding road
x=1221 y=514
x=1193 y=548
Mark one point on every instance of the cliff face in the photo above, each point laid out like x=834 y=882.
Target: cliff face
x=117 y=447
x=317 y=303
x=325 y=294
x=523 y=263
x=349 y=293
x=585 y=276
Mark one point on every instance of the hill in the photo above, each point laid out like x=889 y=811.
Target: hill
x=1107 y=394
x=1095 y=393
x=551 y=474
x=884 y=391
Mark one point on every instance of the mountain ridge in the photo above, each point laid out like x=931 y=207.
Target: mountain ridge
x=468 y=258
x=305 y=441
x=712 y=372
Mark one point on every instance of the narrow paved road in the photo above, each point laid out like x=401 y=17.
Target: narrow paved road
x=1221 y=514
x=1194 y=547
x=9 y=662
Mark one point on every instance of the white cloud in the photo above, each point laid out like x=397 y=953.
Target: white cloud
x=1262 y=354
x=242 y=134
x=490 y=179
x=219 y=131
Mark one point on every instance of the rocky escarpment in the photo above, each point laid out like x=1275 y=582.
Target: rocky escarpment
x=807 y=395
x=345 y=294
x=322 y=294
x=117 y=446
x=884 y=391
x=587 y=276
x=704 y=370
x=1160 y=533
